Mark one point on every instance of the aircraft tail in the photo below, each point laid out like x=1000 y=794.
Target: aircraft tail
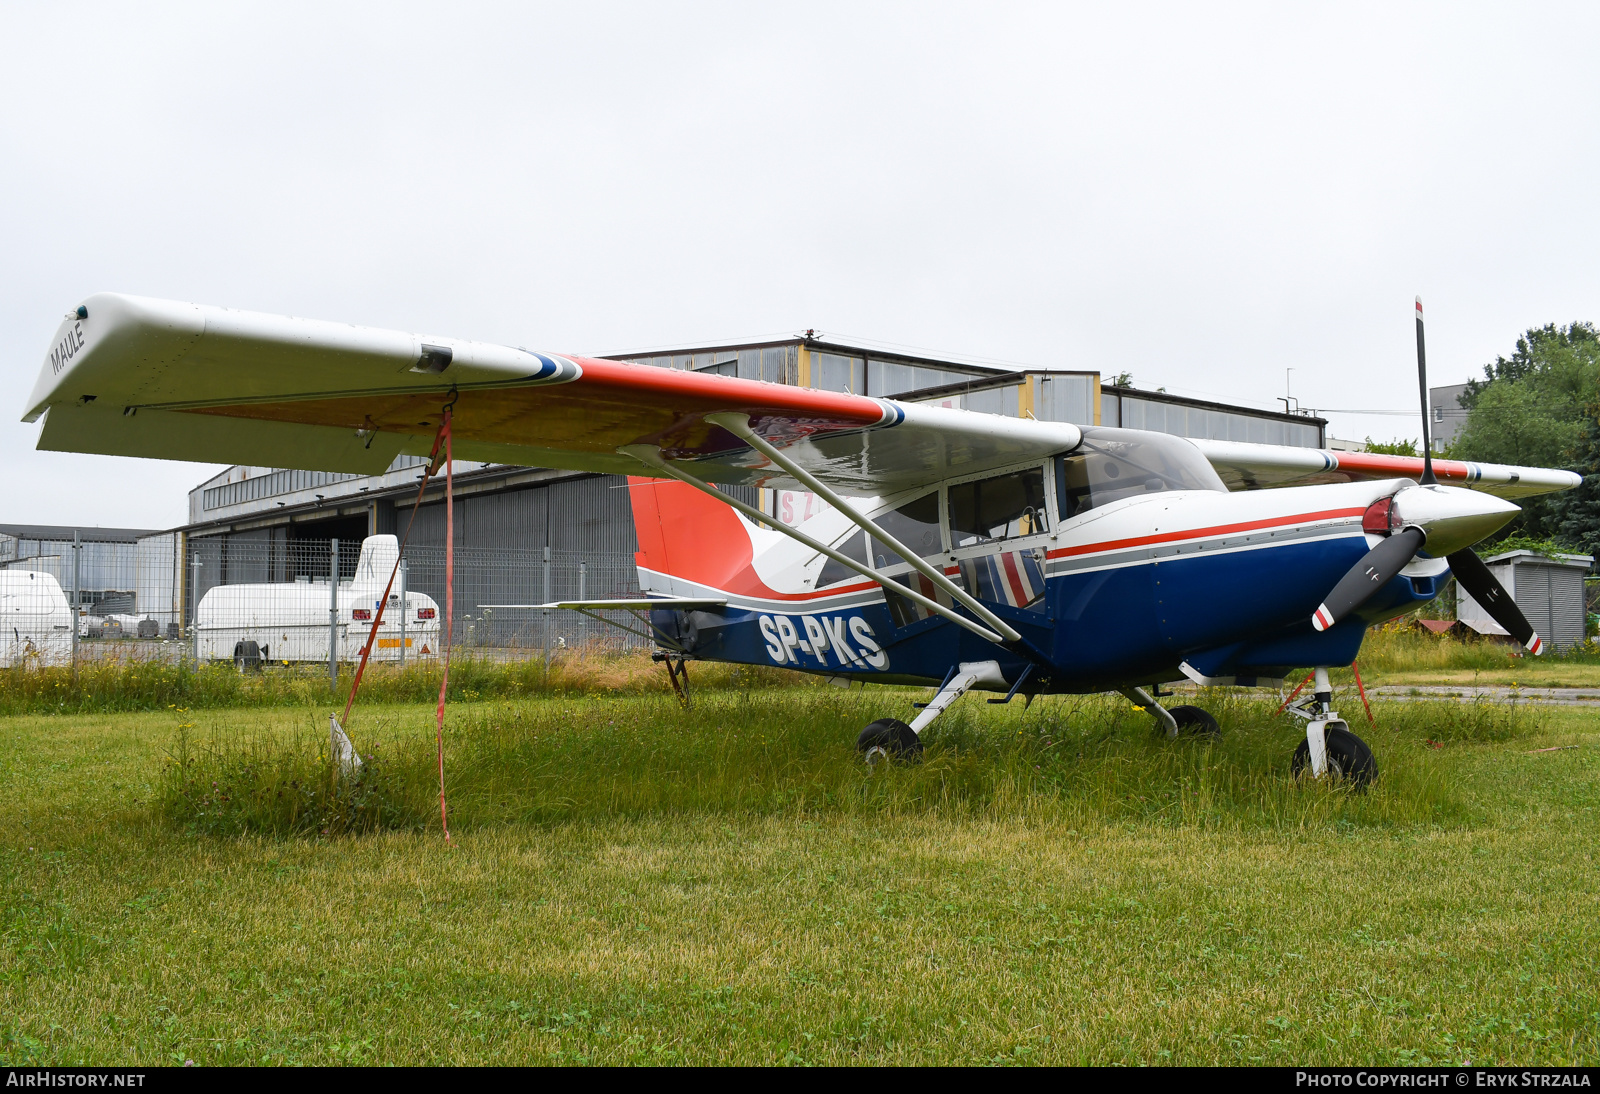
x=685 y=534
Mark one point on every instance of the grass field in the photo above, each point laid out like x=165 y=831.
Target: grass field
x=635 y=884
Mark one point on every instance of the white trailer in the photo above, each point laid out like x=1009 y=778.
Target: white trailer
x=289 y=621
x=36 y=618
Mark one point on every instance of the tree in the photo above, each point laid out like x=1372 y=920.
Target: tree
x=1515 y=422
x=1393 y=448
x=1537 y=408
x=1562 y=358
x=1576 y=514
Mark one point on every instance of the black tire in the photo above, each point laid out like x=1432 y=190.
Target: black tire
x=889 y=739
x=1194 y=722
x=247 y=657
x=1349 y=758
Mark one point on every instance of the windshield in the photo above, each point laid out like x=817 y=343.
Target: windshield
x=1112 y=464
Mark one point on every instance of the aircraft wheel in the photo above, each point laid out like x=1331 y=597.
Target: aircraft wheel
x=888 y=739
x=247 y=656
x=1348 y=758
x=1194 y=722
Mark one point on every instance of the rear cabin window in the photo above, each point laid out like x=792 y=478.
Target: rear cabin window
x=916 y=525
x=853 y=546
x=1004 y=507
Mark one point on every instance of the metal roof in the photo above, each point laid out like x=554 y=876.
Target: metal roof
x=63 y=533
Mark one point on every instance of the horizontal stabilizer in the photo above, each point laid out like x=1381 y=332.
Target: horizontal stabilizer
x=635 y=603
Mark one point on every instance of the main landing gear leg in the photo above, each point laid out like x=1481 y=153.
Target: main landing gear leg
x=1190 y=720
x=888 y=737
x=1142 y=698
x=1330 y=749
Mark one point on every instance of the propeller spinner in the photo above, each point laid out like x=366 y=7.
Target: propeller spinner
x=1444 y=521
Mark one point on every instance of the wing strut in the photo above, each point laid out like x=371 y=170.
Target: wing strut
x=739 y=425
x=650 y=456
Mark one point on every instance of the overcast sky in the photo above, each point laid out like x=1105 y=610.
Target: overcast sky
x=1200 y=195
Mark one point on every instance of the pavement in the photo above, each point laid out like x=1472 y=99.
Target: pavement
x=1569 y=697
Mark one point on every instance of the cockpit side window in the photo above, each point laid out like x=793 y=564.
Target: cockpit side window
x=1112 y=464
x=999 y=508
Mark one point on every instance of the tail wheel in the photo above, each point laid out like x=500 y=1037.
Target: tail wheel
x=1194 y=722
x=888 y=739
x=1349 y=758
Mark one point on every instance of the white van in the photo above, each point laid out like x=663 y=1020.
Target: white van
x=35 y=618
x=288 y=621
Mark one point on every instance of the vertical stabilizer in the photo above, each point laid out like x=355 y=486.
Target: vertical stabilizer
x=684 y=533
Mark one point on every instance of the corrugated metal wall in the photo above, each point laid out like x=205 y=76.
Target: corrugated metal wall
x=500 y=542
x=588 y=516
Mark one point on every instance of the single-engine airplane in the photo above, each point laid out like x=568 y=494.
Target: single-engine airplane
x=959 y=549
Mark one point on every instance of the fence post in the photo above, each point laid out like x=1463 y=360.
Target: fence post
x=194 y=618
x=405 y=610
x=333 y=615
x=583 y=590
x=546 y=612
x=77 y=597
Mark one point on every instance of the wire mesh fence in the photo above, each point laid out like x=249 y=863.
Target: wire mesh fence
x=297 y=602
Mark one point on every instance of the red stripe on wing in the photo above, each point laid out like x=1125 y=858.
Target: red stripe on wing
x=1379 y=466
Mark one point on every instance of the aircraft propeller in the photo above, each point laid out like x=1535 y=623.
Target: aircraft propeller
x=1446 y=518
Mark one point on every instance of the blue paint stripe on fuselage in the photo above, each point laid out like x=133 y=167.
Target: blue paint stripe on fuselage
x=1098 y=628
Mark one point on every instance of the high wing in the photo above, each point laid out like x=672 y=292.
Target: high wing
x=134 y=376
x=1259 y=466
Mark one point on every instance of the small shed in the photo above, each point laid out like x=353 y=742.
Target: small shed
x=1548 y=589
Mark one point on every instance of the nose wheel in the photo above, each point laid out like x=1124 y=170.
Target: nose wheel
x=1348 y=757
x=1330 y=749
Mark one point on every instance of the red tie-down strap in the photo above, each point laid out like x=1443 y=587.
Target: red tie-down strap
x=449 y=609
x=435 y=460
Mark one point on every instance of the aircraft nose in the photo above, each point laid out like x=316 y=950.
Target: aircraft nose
x=1452 y=517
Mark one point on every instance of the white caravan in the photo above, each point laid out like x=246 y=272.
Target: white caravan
x=288 y=621
x=37 y=621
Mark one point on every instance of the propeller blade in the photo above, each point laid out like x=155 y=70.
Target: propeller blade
x=1368 y=576
x=1427 y=478
x=1486 y=589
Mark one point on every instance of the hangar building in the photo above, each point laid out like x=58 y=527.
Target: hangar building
x=516 y=524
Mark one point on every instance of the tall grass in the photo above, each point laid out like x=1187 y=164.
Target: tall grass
x=755 y=753
x=1399 y=649
x=115 y=684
